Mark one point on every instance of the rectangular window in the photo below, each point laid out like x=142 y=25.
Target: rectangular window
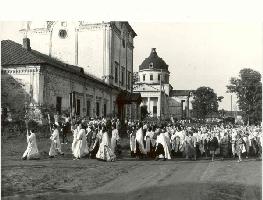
x=97 y=109
x=143 y=77
x=151 y=77
x=78 y=107
x=159 y=77
x=105 y=110
x=58 y=104
x=154 y=109
x=116 y=72
x=88 y=108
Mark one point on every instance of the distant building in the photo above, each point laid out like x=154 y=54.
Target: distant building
x=74 y=67
x=158 y=96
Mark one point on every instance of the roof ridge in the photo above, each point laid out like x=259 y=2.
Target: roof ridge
x=21 y=56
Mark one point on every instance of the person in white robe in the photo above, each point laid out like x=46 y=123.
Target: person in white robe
x=139 y=145
x=55 y=147
x=162 y=150
x=80 y=148
x=132 y=142
x=75 y=141
x=114 y=138
x=83 y=146
x=167 y=137
x=31 y=152
x=105 y=153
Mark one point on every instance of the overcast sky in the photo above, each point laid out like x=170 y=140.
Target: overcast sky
x=198 y=54
x=202 y=54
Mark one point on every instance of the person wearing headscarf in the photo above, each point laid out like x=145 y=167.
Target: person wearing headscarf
x=80 y=148
x=105 y=153
x=83 y=146
x=55 y=147
x=139 y=144
x=31 y=152
x=114 y=138
x=74 y=142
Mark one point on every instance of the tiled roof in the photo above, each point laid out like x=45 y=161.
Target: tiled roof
x=176 y=93
x=13 y=53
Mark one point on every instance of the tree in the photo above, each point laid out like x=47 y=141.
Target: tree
x=205 y=102
x=248 y=88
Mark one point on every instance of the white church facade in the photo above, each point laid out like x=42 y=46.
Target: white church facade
x=158 y=96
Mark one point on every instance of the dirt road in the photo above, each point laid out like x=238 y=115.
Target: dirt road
x=163 y=180
x=64 y=178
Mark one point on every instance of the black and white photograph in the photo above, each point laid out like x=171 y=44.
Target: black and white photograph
x=131 y=109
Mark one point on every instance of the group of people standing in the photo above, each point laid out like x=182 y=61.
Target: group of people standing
x=175 y=140
x=89 y=140
x=100 y=139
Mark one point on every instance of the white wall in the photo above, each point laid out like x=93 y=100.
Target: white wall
x=155 y=74
x=90 y=51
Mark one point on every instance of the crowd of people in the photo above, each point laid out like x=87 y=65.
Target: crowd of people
x=195 y=140
x=100 y=139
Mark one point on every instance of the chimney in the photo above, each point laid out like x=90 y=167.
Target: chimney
x=26 y=44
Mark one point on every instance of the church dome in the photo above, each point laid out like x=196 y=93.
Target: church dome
x=153 y=62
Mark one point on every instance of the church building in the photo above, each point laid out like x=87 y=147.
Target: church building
x=158 y=96
x=73 y=67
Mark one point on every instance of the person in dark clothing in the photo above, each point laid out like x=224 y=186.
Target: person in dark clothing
x=213 y=145
x=65 y=131
x=159 y=151
x=95 y=149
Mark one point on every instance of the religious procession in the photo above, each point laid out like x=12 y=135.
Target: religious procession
x=101 y=139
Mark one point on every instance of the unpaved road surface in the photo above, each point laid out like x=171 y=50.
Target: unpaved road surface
x=64 y=178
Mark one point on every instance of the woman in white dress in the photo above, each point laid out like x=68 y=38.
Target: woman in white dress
x=105 y=152
x=140 y=151
x=162 y=149
x=83 y=146
x=32 y=150
x=114 y=138
x=55 y=147
x=79 y=146
x=74 y=142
